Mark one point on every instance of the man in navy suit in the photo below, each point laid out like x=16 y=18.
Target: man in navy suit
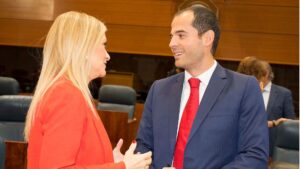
x=278 y=102
x=229 y=130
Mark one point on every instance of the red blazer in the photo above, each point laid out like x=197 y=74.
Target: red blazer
x=66 y=134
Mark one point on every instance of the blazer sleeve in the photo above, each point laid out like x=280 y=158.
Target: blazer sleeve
x=288 y=107
x=64 y=122
x=253 y=140
x=145 y=132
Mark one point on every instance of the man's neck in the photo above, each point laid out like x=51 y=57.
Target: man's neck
x=202 y=67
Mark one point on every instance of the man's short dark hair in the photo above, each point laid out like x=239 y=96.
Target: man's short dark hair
x=204 y=20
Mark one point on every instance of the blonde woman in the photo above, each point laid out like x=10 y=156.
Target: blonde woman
x=62 y=128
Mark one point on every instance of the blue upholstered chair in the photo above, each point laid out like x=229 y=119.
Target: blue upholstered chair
x=117 y=98
x=13 y=110
x=286 y=150
x=9 y=86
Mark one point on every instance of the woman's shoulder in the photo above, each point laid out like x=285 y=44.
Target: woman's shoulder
x=63 y=90
x=62 y=95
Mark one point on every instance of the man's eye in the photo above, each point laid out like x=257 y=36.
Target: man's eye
x=181 y=36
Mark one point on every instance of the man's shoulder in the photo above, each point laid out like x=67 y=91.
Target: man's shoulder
x=237 y=77
x=280 y=88
x=168 y=83
x=220 y=71
x=240 y=82
x=171 y=79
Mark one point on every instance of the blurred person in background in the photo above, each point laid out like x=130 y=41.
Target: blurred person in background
x=277 y=99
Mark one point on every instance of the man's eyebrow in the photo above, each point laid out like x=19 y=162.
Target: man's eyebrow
x=177 y=32
x=180 y=31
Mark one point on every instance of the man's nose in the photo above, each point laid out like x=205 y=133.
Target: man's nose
x=173 y=42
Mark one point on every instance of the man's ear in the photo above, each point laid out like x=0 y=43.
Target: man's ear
x=208 y=38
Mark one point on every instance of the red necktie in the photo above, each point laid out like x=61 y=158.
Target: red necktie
x=186 y=122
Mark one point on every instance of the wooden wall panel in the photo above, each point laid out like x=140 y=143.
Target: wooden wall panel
x=262 y=19
x=15 y=154
x=138 y=40
x=138 y=27
x=291 y=3
x=27 y=9
x=17 y=32
x=124 y=12
x=249 y=27
x=275 y=48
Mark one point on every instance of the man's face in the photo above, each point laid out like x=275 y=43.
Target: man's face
x=186 y=45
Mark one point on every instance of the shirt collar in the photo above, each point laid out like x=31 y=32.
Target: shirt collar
x=267 y=88
x=204 y=77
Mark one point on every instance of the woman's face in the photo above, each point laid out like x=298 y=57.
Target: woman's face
x=98 y=61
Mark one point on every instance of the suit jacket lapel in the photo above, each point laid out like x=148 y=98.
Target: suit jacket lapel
x=174 y=106
x=213 y=90
x=272 y=98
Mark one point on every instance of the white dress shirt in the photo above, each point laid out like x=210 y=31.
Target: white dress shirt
x=266 y=94
x=204 y=78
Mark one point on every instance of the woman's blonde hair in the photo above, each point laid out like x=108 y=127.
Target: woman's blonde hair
x=70 y=42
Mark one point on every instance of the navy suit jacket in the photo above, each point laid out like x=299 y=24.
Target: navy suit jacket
x=280 y=104
x=229 y=131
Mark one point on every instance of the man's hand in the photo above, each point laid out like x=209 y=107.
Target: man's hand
x=279 y=121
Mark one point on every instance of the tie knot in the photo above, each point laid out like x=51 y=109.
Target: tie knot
x=194 y=82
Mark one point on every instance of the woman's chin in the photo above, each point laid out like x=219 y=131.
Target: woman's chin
x=102 y=74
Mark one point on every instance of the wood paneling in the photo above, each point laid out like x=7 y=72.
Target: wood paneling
x=15 y=155
x=27 y=9
x=139 y=108
x=275 y=48
x=118 y=78
x=268 y=28
x=291 y=3
x=124 y=12
x=23 y=32
x=261 y=19
x=139 y=40
x=118 y=126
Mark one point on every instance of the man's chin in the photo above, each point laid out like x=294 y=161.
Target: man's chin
x=178 y=65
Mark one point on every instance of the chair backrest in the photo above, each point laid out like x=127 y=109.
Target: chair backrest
x=9 y=86
x=117 y=98
x=286 y=148
x=13 y=110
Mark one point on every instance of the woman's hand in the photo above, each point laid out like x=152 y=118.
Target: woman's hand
x=118 y=156
x=137 y=161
